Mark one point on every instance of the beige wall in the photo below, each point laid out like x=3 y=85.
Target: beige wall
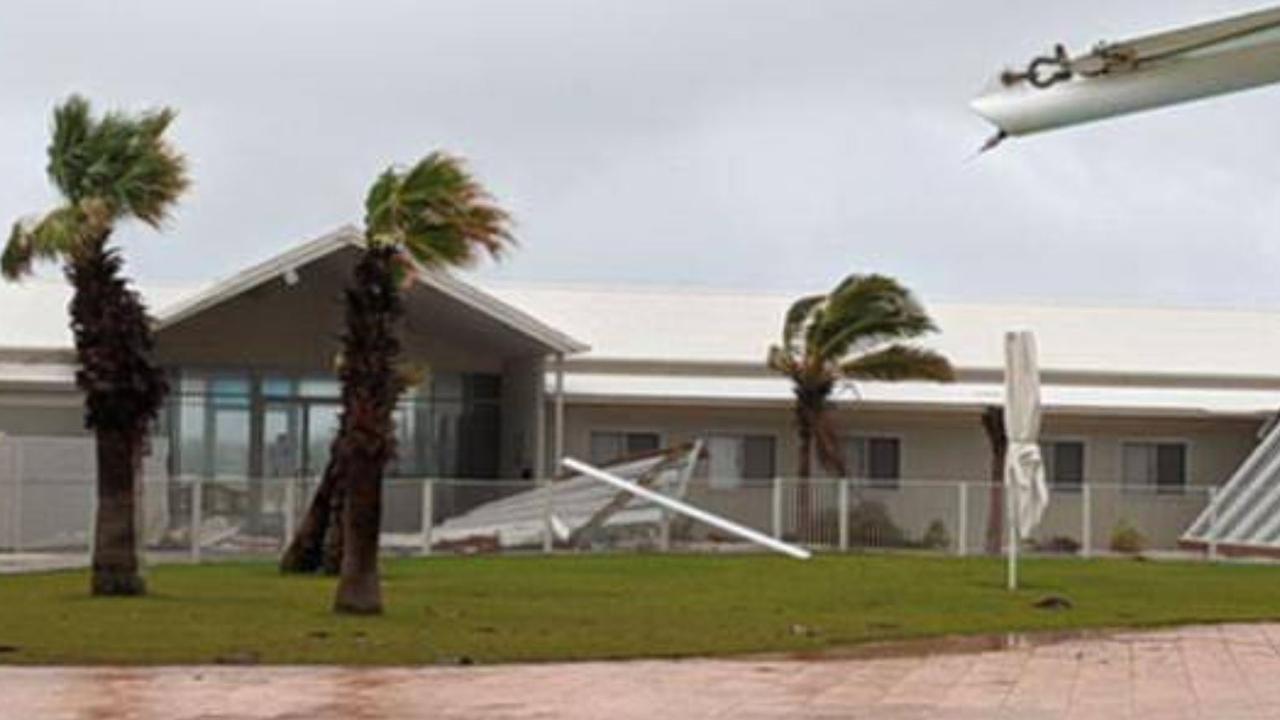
x=55 y=415
x=935 y=445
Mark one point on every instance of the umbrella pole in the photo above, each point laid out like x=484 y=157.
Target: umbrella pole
x=1011 y=522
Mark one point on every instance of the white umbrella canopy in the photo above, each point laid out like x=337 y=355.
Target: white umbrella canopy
x=1024 y=476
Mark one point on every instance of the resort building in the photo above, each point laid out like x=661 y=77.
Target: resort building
x=1158 y=401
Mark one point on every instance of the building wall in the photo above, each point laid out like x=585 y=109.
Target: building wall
x=942 y=450
x=52 y=414
x=935 y=445
x=297 y=328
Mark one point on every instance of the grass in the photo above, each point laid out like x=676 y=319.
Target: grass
x=500 y=609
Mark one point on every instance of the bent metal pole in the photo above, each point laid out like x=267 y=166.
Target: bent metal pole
x=716 y=521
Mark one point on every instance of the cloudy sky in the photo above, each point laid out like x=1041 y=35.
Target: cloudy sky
x=731 y=143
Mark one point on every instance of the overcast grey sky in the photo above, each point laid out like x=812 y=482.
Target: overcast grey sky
x=733 y=143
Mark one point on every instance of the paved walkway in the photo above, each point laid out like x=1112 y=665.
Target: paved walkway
x=1219 y=672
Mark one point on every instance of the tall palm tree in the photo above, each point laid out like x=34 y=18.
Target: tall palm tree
x=107 y=169
x=431 y=215
x=855 y=332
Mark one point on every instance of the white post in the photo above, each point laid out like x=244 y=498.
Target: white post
x=428 y=514
x=559 y=412
x=548 y=508
x=664 y=519
x=844 y=515
x=1213 y=522
x=1086 y=520
x=290 y=508
x=962 y=519
x=19 y=469
x=1011 y=521
x=197 y=511
x=777 y=508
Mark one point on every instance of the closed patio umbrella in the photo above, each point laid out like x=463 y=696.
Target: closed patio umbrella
x=1025 y=490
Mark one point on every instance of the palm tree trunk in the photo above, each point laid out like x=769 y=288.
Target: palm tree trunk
x=804 y=491
x=115 y=542
x=123 y=393
x=993 y=423
x=306 y=550
x=371 y=385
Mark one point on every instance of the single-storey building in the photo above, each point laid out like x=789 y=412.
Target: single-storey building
x=1159 y=401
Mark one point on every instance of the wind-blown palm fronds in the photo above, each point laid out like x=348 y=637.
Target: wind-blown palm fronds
x=107 y=169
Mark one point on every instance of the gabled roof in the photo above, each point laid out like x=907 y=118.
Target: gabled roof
x=348 y=237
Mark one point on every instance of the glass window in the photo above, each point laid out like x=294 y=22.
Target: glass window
x=878 y=459
x=609 y=446
x=734 y=458
x=1158 y=465
x=1064 y=464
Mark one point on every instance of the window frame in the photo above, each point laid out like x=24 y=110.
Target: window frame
x=1084 y=461
x=624 y=431
x=894 y=483
x=1156 y=488
x=742 y=434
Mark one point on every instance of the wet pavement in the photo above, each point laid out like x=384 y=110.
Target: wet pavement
x=1220 y=672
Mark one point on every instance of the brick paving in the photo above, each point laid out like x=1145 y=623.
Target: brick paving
x=1222 y=672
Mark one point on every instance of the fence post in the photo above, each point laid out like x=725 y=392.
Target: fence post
x=962 y=519
x=1213 y=523
x=777 y=508
x=19 y=469
x=844 y=515
x=428 y=514
x=1086 y=520
x=197 y=513
x=290 y=508
x=664 y=519
x=548 y=506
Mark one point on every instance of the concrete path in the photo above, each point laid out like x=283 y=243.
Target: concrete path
x=1219 y=672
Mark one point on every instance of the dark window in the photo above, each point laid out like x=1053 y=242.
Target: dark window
x=609 y=446
x=1158 y=465
x=878 y=459
x=1064 y=464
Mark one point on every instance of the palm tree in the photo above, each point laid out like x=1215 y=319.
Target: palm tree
x=431 y=215
x=855 y=332
x=107 y=169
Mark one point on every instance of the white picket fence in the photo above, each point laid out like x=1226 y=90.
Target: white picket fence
x=47 y=502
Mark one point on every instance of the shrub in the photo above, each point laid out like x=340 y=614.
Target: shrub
x=1059 y=544
x=1125 y=538
x=936 y=537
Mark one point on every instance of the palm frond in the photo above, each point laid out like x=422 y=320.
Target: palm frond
x=798 y=316
x=899 y=362
x=120 y=160
x=868 y=310
x=48 y=238
x=437 y=213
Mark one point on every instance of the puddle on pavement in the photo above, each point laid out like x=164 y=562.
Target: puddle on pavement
x=945 y=645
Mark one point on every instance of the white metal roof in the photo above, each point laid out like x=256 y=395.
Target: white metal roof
x=680 y=389
x=692 y=326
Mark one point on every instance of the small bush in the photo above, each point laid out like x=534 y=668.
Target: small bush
x=871 y=526
x=1058 y=544
x=1125 y=538
x=936 y=537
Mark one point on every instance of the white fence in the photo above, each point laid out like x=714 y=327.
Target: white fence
x=47 y=491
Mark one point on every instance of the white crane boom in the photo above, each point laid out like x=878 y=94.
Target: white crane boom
x=1142 y=73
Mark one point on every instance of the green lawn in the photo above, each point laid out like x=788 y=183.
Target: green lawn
x=494 y=609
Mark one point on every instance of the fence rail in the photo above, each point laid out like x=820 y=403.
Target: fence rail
x=51 y=510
